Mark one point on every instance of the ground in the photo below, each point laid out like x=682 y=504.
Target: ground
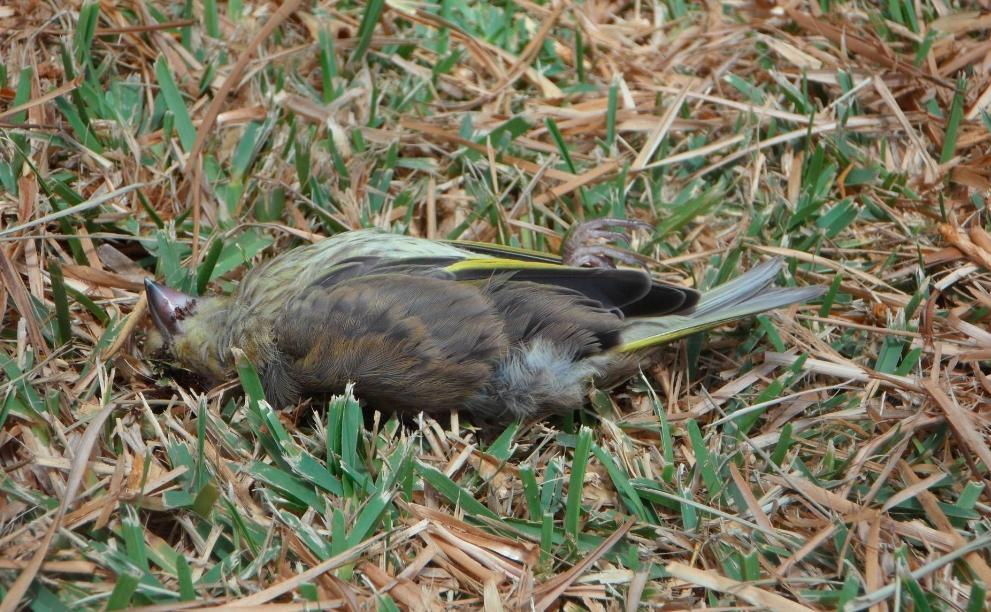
x=831 y=454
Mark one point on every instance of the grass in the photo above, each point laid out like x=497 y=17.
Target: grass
x=833 y=455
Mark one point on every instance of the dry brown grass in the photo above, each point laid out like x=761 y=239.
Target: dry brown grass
x=824 y=456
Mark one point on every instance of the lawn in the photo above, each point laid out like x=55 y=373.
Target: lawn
x=829 y=455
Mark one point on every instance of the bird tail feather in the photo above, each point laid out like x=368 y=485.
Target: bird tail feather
x=748 y=294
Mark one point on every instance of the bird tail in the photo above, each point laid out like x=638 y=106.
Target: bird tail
x=748 y=294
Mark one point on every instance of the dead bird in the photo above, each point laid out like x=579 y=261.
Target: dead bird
x=423 y=325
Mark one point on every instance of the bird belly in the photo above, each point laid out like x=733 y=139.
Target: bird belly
x=532 y=380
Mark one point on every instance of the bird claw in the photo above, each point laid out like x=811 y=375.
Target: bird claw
x=602 y=256
x=582 y=259
x=580 y=247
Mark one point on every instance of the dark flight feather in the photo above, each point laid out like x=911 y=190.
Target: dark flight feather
x=660 y=298
x=629 y=291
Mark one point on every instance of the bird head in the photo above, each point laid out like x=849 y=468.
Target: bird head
x=189 y=332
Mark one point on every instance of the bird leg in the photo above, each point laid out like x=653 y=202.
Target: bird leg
x=582 y=246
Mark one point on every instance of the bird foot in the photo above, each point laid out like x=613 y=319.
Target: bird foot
x=582 y=246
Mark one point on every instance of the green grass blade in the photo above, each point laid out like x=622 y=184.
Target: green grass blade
x=452 y=491
x=63 y=323
x=952 y=133
x=576 y=483
x=373 y=10
x=176 y=104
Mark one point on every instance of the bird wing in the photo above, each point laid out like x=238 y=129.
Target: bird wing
x=659 y=299
x=625 y=290
x=359 y=253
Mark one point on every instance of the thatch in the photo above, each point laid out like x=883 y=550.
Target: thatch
x=833 y=454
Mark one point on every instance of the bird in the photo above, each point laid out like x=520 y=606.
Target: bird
x=419 y=325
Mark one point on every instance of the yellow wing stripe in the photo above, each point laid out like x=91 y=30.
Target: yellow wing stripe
x=674 y=334
x=659 y=339
x=494 y=263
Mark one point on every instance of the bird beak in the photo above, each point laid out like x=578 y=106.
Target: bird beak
x=167 y=307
